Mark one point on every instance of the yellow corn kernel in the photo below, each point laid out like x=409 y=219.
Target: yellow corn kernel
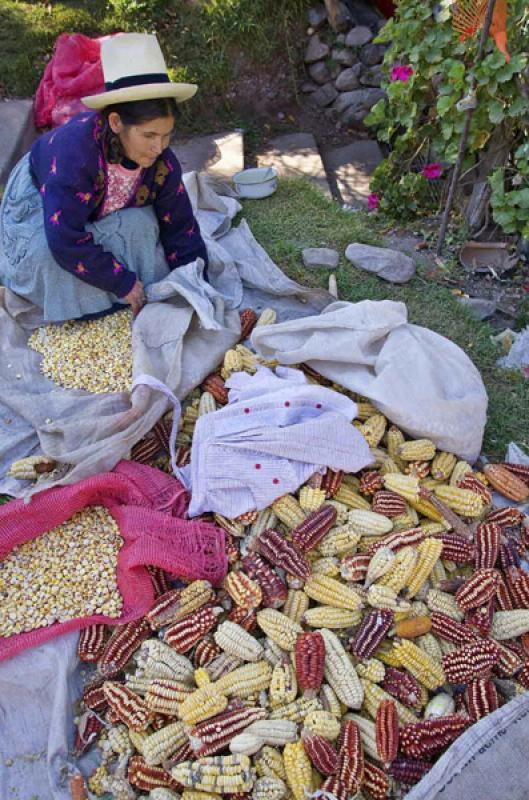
x=420 y=664
x=311 y=499
x=428 y=551
x=288 y=510
x=330 y=592
x=298 y=769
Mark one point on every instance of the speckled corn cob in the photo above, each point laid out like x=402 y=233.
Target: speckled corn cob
x=273 y=588
x=329 y=591
x=92 y=641
x=122 y=644
x=428 y=553
x=402 y=686
x=222 y=774
x=387 y=731
x=178 y=603
x=367 y=731
x=426 y=738
x=164 y=695
x=420 y=664
x=309 y=655
x=214 y=735
x=350 y=766
x=245 y=680
x=373 y=629
x=330 y=617
x=202 y=704
x=353 y=568
x=474 y=660
x=308 y=534
x=269 y=789
x=243 y=590
x=128 y=706
x=282 y=553
x=320 y=751
x=481 y=698
x=183 y=635
x=298 y=769
x=389 y=504
x=478 y=589
x=295 y=711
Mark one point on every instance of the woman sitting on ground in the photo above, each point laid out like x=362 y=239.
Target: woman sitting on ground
x=97 y=210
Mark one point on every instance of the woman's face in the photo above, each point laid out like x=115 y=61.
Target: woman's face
x=143 y=143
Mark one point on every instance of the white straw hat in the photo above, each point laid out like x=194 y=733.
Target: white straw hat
x=134 y=69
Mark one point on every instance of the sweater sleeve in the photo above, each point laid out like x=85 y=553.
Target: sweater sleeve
x=179 y=230
x=67 y=209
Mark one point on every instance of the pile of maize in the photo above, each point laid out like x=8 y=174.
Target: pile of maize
x=365 y=622
x=95 y=355
x=66 y=573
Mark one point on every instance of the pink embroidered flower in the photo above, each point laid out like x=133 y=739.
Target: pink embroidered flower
x=80 y=268
x=172 y=256
x=169 y=165
x=166 y=218
x=84 y=239
x=116 y=267
x=53 y=168
x=373 y=201
x=181 y=189
x=84 y=197
x=42 y=189
x=401 y=73
x=432 y=171
x=54 y=219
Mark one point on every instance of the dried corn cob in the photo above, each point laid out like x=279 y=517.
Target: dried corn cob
x=379 y=596
x=389 y=504
x=327 y=565
x=481 y=698
x=507 y=484
x=288 y=510
x=473 y=660
x=296 y=604
x=317 y=524
x=423 y=739
x=278 y=627
x=322 y=723
x=348 y=497
x=329 y=591
x=237 y=642
x=428 y=551
x=178 y=603
x=269 y=789
x=478 y=589
x=374 y=429
x=269 y=764
x=370 y=482
x=127 y=706
x=380 y=564
x=91 y=643
x=367 y=523
x=401 y=571
x=321 y=753
x=274 y=590
x=374 y=695
x=387 y=731
x=420 y=664
x=416 y=450
x=342 y=540
x=353 y=568
x=222 y=774
x=281 y=553
x=202 y=704
x=214 y=735
x=402 y=686
x=339 y=671
x=309 y=654
x=298 y=769
x=243 y=590
x=510 y=624
x=183 y=635
x=329 y=617
x=350 y=766
x=164 y=695
x=295 y=711
x=444 y=603
x=462 y=501
x=245 y=680
x=311 y=499
x=371 y=632
x=372 y=670
x=160 y=746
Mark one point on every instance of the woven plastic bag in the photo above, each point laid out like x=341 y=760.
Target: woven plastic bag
x=148 y=506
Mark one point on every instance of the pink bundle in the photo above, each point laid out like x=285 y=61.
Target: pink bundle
x=149 y=508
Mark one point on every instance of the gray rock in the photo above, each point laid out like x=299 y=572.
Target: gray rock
x=319 y=72
x=340 y=39
x=317 y=17
x=324 y=95
x=317 y=257
x=478 y=306
x=391 y=265
x=339 y=16
x=358 y=36
x=371 y=76
x=359 y=104
x=349 y=79
x=344 y=56
x=335 y=71
x=364 y=13
x=372 y=54
x=316 y=50
x=307 y=87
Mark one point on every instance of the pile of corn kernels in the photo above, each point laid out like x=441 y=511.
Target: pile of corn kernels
x=95 y=355
x=66 y=573
x=365 y=622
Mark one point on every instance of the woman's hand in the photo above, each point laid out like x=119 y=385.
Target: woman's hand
x=136 y=298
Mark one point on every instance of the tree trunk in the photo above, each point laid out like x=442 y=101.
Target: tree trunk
x=495 y=155
x=338 y=15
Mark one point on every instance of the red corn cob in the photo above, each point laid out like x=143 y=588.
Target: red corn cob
x=281 y=553
x=233 y=550
x=129 y=707
x=350 y=766
x=481 y=698
x=510 y=662
x=371 y=632
x=402 y=686
x=456 y=548
x=487 y=540
x=92 y=642
x=524 y=641
x=376 y=781
x=419 y=468
x=313 y=528
x=428 y=737
x=121 y=645
x=370 y=482
x=213 y=735
x=274 y=589
x=315 y=481
x=472 y=661
x=398 y=540
x=478 y=589
x=93 y=696
x=146 y=778
x=387 y=731
x=502 y=598
x=322 y=754
x=168 y=608
x=450 y=630
x=390 y=504
x=184 y=753
x=505 y=516
x=182 y=455
x=144 y=451
x=309 y=652
x=87 y=729
x=248 y=319
x=205 y=651
x=184 y=634
x=520 y=470
x=332 y=480
x=478 y=487
x=160 y=580
x=215 y=386
x=333 y=787
x=409 y=771
x=509 y=556
x=523 y=676
x=242 y=589
x=162 y=431
x=518 y=584
x=354 y=568
x=248 y=518
x=480 y=619
x=245 y=617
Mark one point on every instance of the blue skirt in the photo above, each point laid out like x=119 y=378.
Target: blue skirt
x=28 y=268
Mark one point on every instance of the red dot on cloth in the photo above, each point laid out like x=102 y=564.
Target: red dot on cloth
x=276 y=480
x=246 y=410
x=318 y=405
x=257 y=466
x=287 y=403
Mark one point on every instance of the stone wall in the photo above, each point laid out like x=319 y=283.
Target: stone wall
x=342 y=63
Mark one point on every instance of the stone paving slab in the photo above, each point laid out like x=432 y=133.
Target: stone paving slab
x=296 y=155
x=220 y=155
x=351 y=167
x=17 y=133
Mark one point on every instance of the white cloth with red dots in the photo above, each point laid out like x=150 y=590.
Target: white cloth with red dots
x=275 y=432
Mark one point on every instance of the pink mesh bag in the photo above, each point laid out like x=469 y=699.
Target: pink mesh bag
x=149 y=507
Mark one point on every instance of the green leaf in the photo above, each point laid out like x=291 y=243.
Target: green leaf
x=496 y=112
x=505 y=219
x=456 y=71
x=444 y=104
x=521 y=198
x=518 y=107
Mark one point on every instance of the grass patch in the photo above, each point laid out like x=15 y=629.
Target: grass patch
x=298 y=216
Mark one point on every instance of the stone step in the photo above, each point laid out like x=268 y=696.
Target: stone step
x=350 y=168
x=296 y=155
x=17 y=132
x=220 y=155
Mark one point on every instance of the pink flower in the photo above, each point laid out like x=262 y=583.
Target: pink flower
x=401 y=73
x=432 y=171
x=373 y=201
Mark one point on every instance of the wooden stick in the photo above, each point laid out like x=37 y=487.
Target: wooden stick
x=464 y=134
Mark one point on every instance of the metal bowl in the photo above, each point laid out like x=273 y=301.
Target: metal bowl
x=256 y=183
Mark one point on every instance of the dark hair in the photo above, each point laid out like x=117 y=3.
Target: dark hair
x=135 y=113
